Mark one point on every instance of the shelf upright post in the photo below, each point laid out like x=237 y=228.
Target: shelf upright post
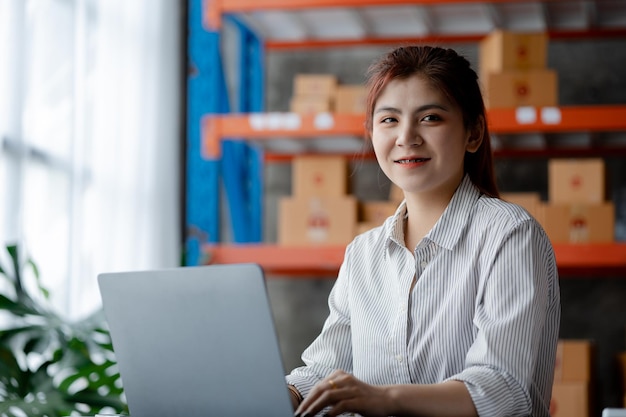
x=206 y=94
x=242 y=163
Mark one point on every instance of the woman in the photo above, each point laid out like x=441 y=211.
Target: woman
x=451 y=307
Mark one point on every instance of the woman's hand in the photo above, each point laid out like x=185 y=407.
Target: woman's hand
x=344 y=393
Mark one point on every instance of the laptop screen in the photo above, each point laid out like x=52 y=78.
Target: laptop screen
x=196 y=341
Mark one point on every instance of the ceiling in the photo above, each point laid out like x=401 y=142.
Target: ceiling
x=433 y=19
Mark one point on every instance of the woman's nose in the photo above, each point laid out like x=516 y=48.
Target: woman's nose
x=409 y=136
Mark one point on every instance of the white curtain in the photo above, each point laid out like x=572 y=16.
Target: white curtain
x=90 y=121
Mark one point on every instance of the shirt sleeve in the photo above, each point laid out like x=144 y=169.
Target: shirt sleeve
x=516 y=322
x=332 y=349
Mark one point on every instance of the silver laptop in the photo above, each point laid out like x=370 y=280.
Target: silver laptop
x=196 y=342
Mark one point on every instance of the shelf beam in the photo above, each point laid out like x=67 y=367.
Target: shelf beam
x=271 y=125
x=558 y=119
x=591 y=260
x=264 y=126
x=216 y=10
x=324 y=261
x=560 y=34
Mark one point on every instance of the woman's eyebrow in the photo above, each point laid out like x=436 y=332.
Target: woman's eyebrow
x=431 y=106
x=422 y=108
x=387 y=110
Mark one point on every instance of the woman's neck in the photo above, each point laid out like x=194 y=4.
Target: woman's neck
x=423 y=212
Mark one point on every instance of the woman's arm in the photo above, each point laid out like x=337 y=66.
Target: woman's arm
x=332 y=349
x=296 y=397
x=510 y=366
x=344 y=393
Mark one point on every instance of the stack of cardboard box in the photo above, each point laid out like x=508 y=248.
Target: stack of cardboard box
x=318 y=93
x=319 y=211
x=313 y=93
x=576 y=211
x=350 y=99
x=513 y=70
x=531 y=201
x=374 y=213
x=573 y=376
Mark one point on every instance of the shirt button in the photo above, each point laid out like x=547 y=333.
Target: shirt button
x=423 y=264
x=399 y=358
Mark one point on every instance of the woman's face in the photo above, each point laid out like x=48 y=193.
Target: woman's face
x=419 y=137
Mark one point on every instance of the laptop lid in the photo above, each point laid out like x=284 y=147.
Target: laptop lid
x=196 y=342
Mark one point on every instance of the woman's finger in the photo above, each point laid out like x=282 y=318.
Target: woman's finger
x=325 y=393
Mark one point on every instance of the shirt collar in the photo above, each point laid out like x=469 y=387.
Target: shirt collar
x=449 y=228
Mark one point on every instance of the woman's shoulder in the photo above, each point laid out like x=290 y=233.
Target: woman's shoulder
x=498 y=211
x=499 y=219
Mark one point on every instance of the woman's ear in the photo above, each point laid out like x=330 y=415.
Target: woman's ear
x=476 y=133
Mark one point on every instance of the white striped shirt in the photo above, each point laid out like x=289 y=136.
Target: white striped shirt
x=478 y=301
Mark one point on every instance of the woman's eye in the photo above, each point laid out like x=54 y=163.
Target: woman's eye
x=431 y=118
x=388 y=120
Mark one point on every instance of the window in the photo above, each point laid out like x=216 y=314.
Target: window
x=90 y=134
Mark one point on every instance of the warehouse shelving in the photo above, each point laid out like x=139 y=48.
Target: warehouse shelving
x=575 y=259
x=425 y=20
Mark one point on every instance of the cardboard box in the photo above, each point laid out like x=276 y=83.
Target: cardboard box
x=529 y=200
x=362 y=227
x=312 y=221
x=578 y=223
x=350 y=99
x=376 y=212
x=574 y=361
x=512 y=88
x=311 y=104
x=319 y=175
x=570 y=399
x=314 y=85
x=576 y=180
x=505 y=50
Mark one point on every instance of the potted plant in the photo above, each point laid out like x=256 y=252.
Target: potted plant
x=50 y=366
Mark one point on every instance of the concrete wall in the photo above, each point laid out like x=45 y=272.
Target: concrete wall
x=590 y=72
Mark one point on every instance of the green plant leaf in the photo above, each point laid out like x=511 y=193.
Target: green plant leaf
x=42 y=290
x=16 y=307
x=15 y=259
x=42 y=354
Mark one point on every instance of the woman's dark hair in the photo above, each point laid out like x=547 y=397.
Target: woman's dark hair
x=451 y=73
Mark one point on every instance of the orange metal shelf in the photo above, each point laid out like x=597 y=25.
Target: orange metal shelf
x=559 y=119
x=277 y=45
x=324 y=261
x=249 y=5
x=591 y=260
x=215 y=9
x=260 y=126
x=273 y=125
x=213 y=13
x=591 y=255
